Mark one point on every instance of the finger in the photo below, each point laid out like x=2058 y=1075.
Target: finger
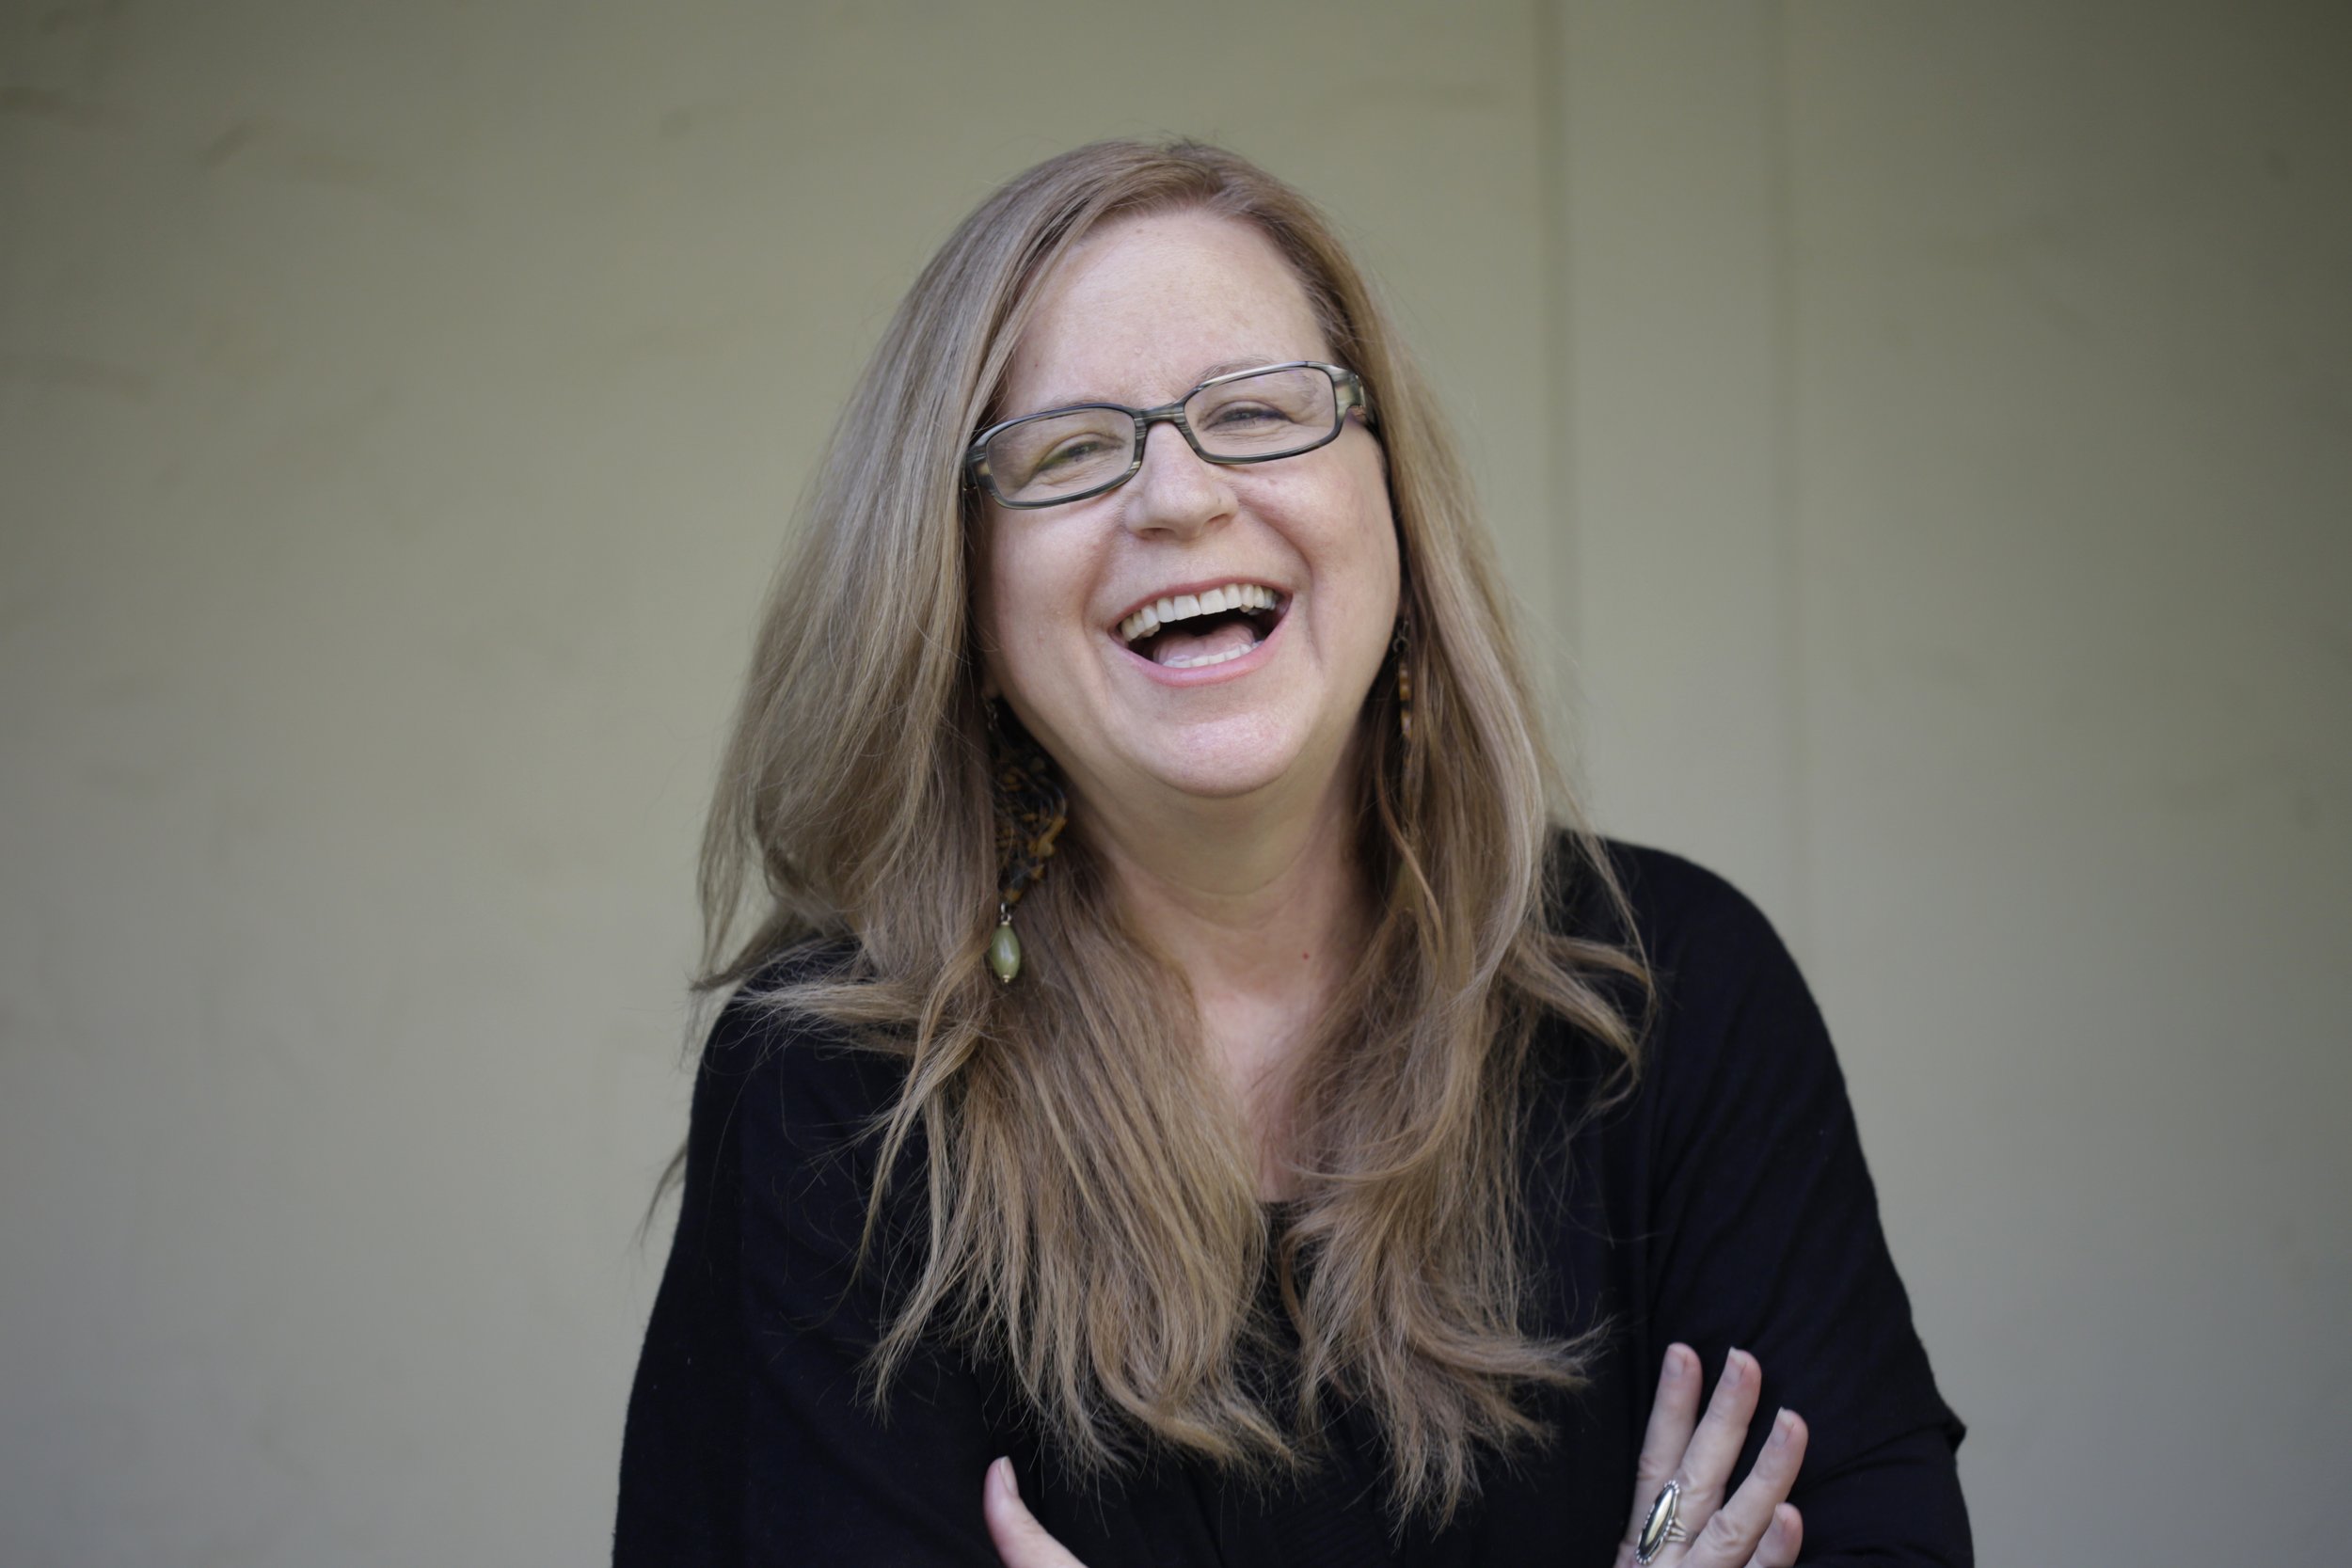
x=1715 y=1446
x=1671 y=1418
x=1021 y=1541
x=1781 y=1542
x=1735 y=1533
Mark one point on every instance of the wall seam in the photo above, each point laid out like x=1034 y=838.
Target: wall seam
x=1787 y=479
x=1549 y=24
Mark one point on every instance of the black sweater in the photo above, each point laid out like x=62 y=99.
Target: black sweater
x=1723 y=1204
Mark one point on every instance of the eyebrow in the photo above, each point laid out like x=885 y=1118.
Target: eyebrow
x=1221 y=368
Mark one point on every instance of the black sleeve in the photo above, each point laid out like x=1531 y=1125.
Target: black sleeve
x=1767 y=1235
x=746 y=1441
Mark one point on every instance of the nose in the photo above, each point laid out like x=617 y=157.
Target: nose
x=1176 y=492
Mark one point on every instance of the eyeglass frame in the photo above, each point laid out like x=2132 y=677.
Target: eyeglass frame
x=1348 y=394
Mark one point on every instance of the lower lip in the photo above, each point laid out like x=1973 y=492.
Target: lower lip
x=1209 y=674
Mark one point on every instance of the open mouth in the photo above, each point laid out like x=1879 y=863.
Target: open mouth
x=1191 y=631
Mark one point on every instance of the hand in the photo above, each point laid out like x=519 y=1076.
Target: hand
x=1757 y=1528
x=1021 y=1541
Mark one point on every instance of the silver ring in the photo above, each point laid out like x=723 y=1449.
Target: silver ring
x=1660 y=1527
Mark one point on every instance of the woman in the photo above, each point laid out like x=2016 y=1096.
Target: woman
x=1182 y=1100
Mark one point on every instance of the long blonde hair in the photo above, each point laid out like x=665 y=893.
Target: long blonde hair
x=1092 y=1217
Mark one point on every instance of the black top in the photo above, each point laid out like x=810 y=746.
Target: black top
x=1725 y=1203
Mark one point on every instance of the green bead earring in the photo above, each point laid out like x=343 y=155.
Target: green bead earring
x=1004 y=948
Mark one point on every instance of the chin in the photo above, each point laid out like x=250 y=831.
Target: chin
x=1224 y=761
x=1218 y=782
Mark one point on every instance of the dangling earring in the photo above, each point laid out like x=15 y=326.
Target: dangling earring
x=1031 y=812
x=1403 y=647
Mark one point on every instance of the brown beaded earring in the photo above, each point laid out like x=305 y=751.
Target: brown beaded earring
x=1401 y=645
x=1031 y=812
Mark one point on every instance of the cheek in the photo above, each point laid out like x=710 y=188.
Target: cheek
x=1374 y=585
x=994 y=601
x=1028 y=593
x=1361 y=549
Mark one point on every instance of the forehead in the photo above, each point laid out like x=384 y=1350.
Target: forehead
x=1146 y=307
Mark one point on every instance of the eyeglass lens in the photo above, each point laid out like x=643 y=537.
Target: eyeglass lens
x=1271 y=414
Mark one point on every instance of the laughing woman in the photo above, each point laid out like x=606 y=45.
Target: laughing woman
x=1180 y=1097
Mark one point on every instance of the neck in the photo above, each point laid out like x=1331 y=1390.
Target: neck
x=1248 y=896
x=1260 y=902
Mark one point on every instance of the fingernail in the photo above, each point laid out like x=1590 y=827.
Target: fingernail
x=1731 y=1369
x=1780 y=1430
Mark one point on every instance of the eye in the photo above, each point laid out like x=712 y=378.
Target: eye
x=1071 y=453
x=1244 y=415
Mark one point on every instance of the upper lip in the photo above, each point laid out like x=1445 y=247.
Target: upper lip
x=1197 y=588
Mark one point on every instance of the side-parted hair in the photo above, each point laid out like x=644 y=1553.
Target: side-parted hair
x=1093 y=1214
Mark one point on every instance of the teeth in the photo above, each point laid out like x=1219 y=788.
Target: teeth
x=1212 y=658
x=1233 y=595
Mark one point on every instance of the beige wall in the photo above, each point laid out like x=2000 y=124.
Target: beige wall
x=1919 y=434
x=1962 y=402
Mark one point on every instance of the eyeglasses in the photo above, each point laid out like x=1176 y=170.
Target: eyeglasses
x=1067 y=454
